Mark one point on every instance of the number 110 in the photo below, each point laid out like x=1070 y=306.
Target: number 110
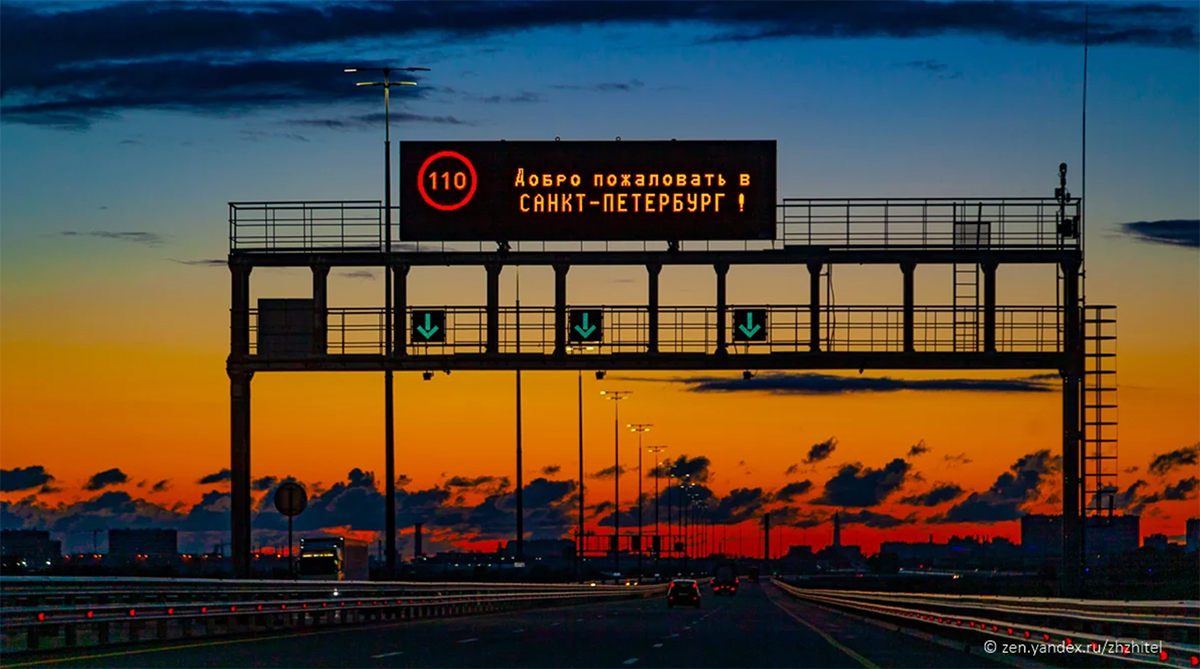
x=460 y=180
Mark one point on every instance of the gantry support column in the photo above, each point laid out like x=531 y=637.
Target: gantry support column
x=560 y=308
x=239 y=422
x=722 y=270
x=1072 y=373
x=908 y=269
x=989 y=307
x=320 y=280
x=652 y=272
x=493 y=308
x=400 y=306
x=814 y=306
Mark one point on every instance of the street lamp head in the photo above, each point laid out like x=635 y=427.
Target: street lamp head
x=368 y=83
x=404 y=83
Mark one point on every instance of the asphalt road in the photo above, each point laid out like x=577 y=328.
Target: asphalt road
x=759 y=627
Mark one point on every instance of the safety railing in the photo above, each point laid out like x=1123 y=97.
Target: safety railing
x=53 y=616
x=626 y=329
x=332 y=226
x=1162 y=633
x=834 y=223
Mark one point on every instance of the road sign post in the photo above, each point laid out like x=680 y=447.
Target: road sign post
x=291 y=500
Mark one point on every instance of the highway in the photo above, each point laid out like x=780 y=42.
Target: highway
x=760 y=627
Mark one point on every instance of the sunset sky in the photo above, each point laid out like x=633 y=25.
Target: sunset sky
x=127 y=127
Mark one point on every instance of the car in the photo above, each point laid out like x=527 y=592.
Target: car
x=683 y=592
x=725 y=587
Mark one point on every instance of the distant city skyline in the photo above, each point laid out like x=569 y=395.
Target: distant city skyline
x=124 y=141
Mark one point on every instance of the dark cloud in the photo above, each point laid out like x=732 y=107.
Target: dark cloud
x=858 y=486
x=1163 y=464
x=373 y=121
x=477 y=481
x=820 y=451
x=143 y=238
x=217 y=477
x=869 y=518
x=24 y=478
x=608 y=472
x=362 y=274
x=781 y=383
x=522 y=97
x=1012 y=489
x=696 y=469
x=741 y=504
x=1178 y=232
x=264 y=483
x=70 y=65
x=106 y=478
x=918 y=449
x=934 y=68
x=937 y=495
x=632 y=84
x=794 y=489
x=203 y=262
x=1179 y=491
x=162 y=486
x=792 y=469
x=959 y=460
x=551 y=470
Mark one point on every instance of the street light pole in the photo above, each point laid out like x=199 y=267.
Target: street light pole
x=389 y=416
x=616 y=395
x=657 y=532
x=579 y=551
x=640 y=428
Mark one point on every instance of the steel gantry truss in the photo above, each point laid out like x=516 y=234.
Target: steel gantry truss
x=972 y=235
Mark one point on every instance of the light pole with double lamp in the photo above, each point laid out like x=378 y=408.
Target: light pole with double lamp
x=579 y=547
x=640 y=428
x=616 y=396
x=657 y=469
x=388 y=380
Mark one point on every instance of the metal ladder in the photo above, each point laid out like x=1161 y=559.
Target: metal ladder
x=1099 y=404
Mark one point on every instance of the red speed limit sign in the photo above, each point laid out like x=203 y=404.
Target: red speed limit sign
x=455 y=179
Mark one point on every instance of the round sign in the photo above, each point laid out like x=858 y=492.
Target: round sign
x=467 y=182
x=290 y=499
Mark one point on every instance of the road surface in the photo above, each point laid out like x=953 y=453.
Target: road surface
x=759 y=627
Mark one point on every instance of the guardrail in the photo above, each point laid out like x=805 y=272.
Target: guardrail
x=1159 y=633
x=59 y=613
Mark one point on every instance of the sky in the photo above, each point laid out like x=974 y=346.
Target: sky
x=126 y=128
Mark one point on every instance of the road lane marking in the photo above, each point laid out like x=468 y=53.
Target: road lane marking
x=658 y=645
x=579 y=620
x=517 y=631
x=833 y=642
x=555 y=624
x=631 y=660
x=376 y=657
x=471 y=640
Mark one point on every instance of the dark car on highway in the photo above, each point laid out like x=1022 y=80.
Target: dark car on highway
x=683 y=592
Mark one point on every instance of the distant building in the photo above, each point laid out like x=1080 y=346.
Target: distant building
x=33 y=547
x=131 y=543
x=1193 y=534
x=1041 y=535
x=1156 y=542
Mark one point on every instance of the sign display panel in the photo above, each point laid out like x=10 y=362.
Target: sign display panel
x=749 y=324
x=587 y=191
x=428 y=327
x=285 y=327
x=586 y=325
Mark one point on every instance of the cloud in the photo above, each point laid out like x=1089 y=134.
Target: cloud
x=869 y=518
x=1177 y=232
x=520 y=98
x=203 y=262
x=608 y=472
x=261 y=484
x=217 y=477
x=477 y=482
x=781 y=383
x=143 y=238
x=955 y=461
x=106 y=478
x=794 y=489
x=372 y=121
x=551 y=470
x=855 y=485
x=1163 y=464
x=820 y=451
x=939 y=494
x=792 y=469
x=162 y=486
x=622 y=86
x=696 y=469
x=24 y=478
x=71 y=65
x=362 y=274
x=934 y=68
x=918 y=449
x=1011 y=490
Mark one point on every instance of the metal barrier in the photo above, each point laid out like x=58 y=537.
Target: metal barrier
x=831 y=223
x=1157 y=632
x=1019 y=329
x=61 y=613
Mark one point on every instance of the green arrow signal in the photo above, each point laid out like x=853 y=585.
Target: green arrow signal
x=429 y=329
x=749 y=329
x=585 y=330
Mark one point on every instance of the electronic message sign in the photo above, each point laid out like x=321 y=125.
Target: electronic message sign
x=428 y=327
x=585 y=325
x=749 y=324
x=587 y=191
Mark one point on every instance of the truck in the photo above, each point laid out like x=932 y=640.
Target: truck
x=752 y=574
x=725 y=580
x=334 y=559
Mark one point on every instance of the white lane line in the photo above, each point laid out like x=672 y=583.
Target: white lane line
x=555 y=624
x=631 y=660
x=517 y=631
x=579 y=620
x=658 y=645
x=673 y=636
x=471 y=640
x=376 y=657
